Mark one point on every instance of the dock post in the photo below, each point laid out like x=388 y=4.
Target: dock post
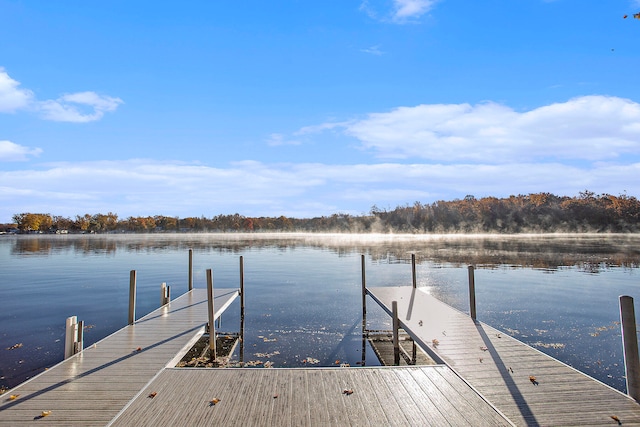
x=165 y=294
x=132 y=297
x=364 y=312
x=71 y=334
x=396 y=338
x=630 y=346
x=212 y=326
x=190 y=269
x=413 y=270
x=79 y=345
x=472 y=293
x=241 y=310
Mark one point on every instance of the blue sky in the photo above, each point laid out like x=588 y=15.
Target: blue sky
x=306 y=108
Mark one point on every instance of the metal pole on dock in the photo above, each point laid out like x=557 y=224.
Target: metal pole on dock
x=190 y=269
x=472 y=293
x=414 y=350
x=413 y=270
x=630 y=346
x=396 y=338
x=79 y=337
x=241 y=310
x=212 y=327
x=132 y=297
x=364 y=312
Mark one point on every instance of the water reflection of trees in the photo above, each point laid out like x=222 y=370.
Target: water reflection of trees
x=590 y=253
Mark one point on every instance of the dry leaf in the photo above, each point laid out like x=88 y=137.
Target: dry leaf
x=484 y=348
x=533 y=380
x=275 y=396
x=154 y=394
x=347 y=391
x=615 y=418
x=435 y=342
x=139 y=349
x=45 y=413
x=214 y=402
x=14 y=396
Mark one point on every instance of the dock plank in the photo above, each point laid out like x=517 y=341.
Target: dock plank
x=499 y=366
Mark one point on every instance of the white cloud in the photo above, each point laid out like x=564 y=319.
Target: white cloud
x=588 y=128
x=401 y=11
x=277 y=139
x=147 y=187
x=75 y=107
x=411 y=8
x=78 y=107
x=12 y=98
x=12 y=152
x=373 y=50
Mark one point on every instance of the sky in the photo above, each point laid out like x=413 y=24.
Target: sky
x=307 y=108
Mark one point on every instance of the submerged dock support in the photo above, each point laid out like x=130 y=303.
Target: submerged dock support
x=212 y=326
x=472 y=293
x=630 y=346
x=132 y=297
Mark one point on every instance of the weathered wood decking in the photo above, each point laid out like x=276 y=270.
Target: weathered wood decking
x=407 y=396
x=499 y=367
x=91 y=387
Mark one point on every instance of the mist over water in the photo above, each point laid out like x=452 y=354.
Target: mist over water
x=558 y=293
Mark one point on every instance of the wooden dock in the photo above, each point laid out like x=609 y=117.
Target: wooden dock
x=407 y=396
x=529 y=387
x=91 y=387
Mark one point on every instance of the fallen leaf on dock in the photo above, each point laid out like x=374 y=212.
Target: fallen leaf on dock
x=44 y=414
x=435 y=342
x=275 y=396
x=139 y=349
x=484 y=348
x=481 y=360
x=533 y=380
x=348 y=392
x=154 y=394
x=14 y=396
x=614 y=418
x=214 y=402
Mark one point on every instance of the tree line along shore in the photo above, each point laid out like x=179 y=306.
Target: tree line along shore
x=532 y=213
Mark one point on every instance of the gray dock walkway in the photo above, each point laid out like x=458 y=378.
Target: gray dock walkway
x=500 y=367
x=405 y=396
x=91 y=387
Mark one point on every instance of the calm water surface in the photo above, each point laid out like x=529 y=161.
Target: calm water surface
x=557 y=293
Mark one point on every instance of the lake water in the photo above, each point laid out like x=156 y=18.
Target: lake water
x=557 y=293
